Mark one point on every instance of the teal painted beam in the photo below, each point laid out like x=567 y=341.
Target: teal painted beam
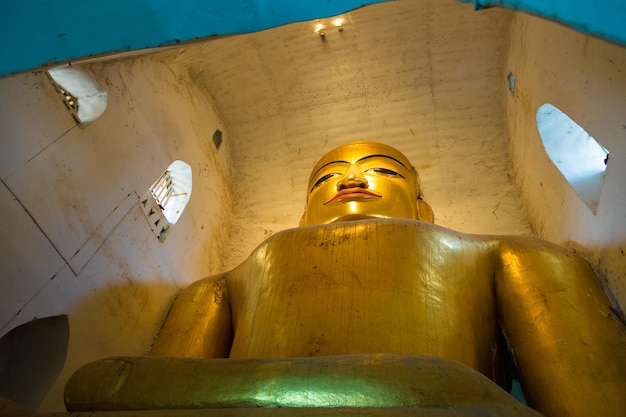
x=601 y=18
x=36 y=33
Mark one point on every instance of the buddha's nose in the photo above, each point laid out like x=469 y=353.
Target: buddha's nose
x=352 y=178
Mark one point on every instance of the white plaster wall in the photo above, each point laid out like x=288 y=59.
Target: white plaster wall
x=585 y=78
x=75 y=240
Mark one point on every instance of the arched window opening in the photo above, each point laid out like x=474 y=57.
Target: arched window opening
x=85 y=97
x=577 y=155
x=165 y=200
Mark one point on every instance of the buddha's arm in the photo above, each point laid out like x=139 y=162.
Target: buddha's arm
x=569 y=346
x=199 y=322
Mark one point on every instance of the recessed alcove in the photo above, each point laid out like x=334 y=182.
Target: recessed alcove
x=166 y=199
x=579 y=157
x=85 y=97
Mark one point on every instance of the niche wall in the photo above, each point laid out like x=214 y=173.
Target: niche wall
x=75 y=240
x=586 y=78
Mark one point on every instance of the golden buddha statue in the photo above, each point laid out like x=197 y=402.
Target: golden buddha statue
x=370 y=309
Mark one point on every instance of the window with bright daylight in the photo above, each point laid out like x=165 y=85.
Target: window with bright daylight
x=165 y=200
x=85 y=97
x=577 y=155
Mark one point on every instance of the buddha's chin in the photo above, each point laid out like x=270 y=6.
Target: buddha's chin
x=353 y=217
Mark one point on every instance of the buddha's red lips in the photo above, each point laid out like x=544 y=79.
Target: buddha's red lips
x=355 y=192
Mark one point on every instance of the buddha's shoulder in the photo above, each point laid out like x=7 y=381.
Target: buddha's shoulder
x=405 y=230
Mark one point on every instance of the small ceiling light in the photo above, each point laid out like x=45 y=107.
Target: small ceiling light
x=338 y=24
x=319 y=29
x=321 y=26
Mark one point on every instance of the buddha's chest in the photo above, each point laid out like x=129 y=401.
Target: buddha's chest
x=362 y=289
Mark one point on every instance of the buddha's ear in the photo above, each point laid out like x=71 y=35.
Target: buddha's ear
x=302 y=219
x=425 y=211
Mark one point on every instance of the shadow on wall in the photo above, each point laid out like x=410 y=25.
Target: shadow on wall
x=31 y=358
x=118 y=319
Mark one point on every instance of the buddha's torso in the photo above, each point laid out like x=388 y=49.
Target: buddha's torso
x=374 y=286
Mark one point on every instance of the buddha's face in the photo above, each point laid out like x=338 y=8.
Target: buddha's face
x=361 y=180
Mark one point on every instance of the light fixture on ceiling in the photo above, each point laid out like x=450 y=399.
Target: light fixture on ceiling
x=322 y=26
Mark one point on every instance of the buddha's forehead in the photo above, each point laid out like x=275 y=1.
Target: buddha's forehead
x=355 y=151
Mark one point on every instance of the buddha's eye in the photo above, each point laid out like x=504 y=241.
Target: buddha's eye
x=384 y=171
x=324 y=179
